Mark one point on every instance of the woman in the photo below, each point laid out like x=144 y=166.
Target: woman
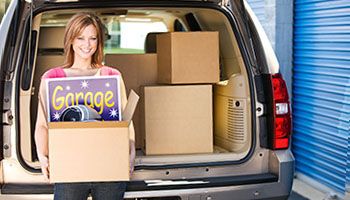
x=83 y=43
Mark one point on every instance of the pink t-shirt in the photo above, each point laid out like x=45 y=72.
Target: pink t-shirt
x=58 y=72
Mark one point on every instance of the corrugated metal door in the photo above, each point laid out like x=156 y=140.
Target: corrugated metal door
x=321 y=91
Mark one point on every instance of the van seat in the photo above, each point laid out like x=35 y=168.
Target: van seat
x=51 y=37
x=151 y=42
x=50 y=54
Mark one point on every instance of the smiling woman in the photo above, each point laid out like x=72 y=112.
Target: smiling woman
x=83 y=42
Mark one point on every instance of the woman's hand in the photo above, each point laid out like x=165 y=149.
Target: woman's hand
x=45 y=167
x=131 y=170
x=132 y=156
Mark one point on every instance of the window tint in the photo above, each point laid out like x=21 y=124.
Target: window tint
x=128 y=35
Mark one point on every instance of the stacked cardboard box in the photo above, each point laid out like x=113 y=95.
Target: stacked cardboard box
x=188 y=57
x=178 y=118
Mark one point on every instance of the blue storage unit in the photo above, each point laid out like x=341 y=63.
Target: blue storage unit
x=321 y=91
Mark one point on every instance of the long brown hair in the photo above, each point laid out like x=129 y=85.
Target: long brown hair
x=75 y=26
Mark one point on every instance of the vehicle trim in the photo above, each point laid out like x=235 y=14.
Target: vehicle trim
x=156 y=185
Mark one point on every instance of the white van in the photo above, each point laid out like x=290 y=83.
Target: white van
x=251 y=119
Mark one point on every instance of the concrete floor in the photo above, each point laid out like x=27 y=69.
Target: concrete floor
x=296 y=196
x=303 y=191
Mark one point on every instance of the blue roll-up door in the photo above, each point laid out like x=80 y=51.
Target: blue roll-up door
x=321 y=91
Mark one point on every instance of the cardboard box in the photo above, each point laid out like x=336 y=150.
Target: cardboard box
x=188 y=57
x=178 y=119
x=137 y=70
x=88 y=151
x=91 y=151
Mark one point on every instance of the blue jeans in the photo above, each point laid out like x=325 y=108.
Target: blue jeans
x=98 y=191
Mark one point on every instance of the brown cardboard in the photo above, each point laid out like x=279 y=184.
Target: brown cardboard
x=88 y=151
x=178 y=119
x=137 y=70
x=188 y=57
x=130 y=106
x=91 y=151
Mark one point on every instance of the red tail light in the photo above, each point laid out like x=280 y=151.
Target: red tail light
x=282 y=114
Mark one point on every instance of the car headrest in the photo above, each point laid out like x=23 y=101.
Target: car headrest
x=151 y=42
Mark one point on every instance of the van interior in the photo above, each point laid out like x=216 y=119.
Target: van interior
x=130 y=43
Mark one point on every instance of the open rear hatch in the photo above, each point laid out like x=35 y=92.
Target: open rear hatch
x=217 y=117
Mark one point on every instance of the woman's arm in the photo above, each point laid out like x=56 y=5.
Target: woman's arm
x=132 y=156
x=131 y=126
x=41 y=132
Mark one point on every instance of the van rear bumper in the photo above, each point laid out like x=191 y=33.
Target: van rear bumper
x=136 y=187
x=277 y=184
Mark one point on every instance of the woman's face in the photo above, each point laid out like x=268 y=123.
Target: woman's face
x=85 y=44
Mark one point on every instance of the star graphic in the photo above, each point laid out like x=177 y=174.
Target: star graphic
x=68 y=87
x=56 y=116
x=84 y=84
x=113 y=113
x=107 y=84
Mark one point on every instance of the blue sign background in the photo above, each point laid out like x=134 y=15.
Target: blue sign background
x=101 y=93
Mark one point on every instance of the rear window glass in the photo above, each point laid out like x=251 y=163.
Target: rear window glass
x=128 y=35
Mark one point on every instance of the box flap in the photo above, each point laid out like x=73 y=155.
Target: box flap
x=130 y=106
x=87 y=124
